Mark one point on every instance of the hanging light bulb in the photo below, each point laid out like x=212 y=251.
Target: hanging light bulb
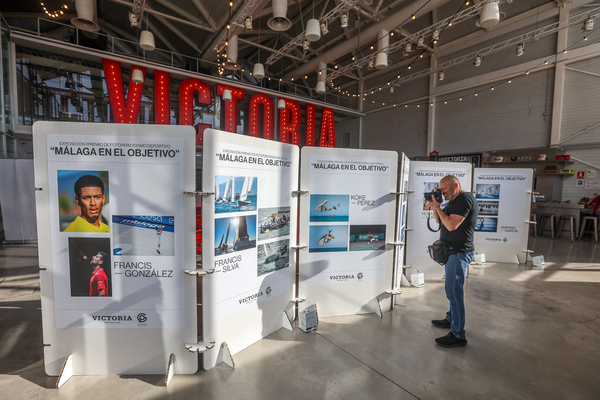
x=147 y=41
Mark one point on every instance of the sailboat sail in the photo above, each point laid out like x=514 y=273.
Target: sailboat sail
x=217 y=190
x=232 y=198
x=226 y=192
x=246 y=187
x=242 y=230
x=227 y=235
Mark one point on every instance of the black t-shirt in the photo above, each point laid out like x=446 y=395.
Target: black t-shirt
x=461 y=239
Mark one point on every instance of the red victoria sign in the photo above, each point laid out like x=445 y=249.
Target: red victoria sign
x=125 y=109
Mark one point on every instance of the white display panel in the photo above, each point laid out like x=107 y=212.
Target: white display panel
x=425 y=176
x=247 y=226
x=347 y=219
x=148 y=312
x=504 y=198
x=401 y=213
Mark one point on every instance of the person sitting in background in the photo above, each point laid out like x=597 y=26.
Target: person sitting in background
x=595 y=200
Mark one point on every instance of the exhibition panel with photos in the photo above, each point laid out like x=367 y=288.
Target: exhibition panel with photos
x=114 y=235
x=347 y=219
x=249 y=229
x=425 y=176
x=504 y=196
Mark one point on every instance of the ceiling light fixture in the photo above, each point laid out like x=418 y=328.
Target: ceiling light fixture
x=490 y=15
x=588 y=25
x=520 y=49
x=344 y=20
x=280 y=104
x=324 y=29
x=477 y=61
x=227 y=95
x=248 y=23
x=421 y=43
x=441 y=75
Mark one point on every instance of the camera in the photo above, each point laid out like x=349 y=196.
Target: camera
x=437 y=195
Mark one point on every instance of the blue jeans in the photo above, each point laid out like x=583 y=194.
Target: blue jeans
x=456 y=269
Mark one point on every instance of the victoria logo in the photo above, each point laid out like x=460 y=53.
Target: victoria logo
x=268 y=290
x=360 y=275
x=142 y=318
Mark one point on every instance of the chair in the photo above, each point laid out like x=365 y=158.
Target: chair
x=586 y=219
x=571 y=220
x=545 y=218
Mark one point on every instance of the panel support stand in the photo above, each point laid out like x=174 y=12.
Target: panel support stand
x=170 y=370
x=225 y=355
x=66 y=372
x=287 y=323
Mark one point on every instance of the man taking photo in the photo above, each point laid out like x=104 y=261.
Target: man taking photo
x=457 y=222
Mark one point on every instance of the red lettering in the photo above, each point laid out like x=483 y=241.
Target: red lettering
x=186 y=99
x=289 y=122
x=162 y=98
x=327 y=136
x=254 y=115
x=231 y=106
x=309 y=136
x=124 y=112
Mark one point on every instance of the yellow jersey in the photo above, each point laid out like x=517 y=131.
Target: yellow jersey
x=81 y=225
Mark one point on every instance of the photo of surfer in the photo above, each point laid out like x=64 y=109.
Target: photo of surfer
x=273 y=222
x=235 y=234
x=487 y=191
x=326 y=238
x=235 y=193
x=272 y=256
x=89 y=267
x=83 y=201
x=486 y=224
x=367 y=237
x=488 y=207
x=143 y=235
x=329 y=208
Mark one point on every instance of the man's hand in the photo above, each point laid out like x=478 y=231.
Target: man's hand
x=433 y=203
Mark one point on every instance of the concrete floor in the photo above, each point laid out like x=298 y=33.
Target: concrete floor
x=533 y=334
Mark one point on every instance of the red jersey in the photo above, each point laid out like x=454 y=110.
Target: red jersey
x=98 y=282
x=596 y=203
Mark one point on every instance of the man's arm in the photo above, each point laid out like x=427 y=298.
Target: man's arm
x=451 y=222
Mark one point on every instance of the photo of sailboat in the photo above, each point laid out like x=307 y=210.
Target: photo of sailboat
x=273 y=256
x=235 y=193
x=235 y=234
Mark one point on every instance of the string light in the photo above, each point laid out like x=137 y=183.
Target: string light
x=56 y=13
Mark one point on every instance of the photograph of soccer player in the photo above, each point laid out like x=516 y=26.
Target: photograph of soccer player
x=89 y=267
x=90 y=197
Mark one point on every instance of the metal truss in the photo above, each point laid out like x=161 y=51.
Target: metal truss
x=246 y=11
x=455 y=19
x=533 y=35
x=341 y=8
